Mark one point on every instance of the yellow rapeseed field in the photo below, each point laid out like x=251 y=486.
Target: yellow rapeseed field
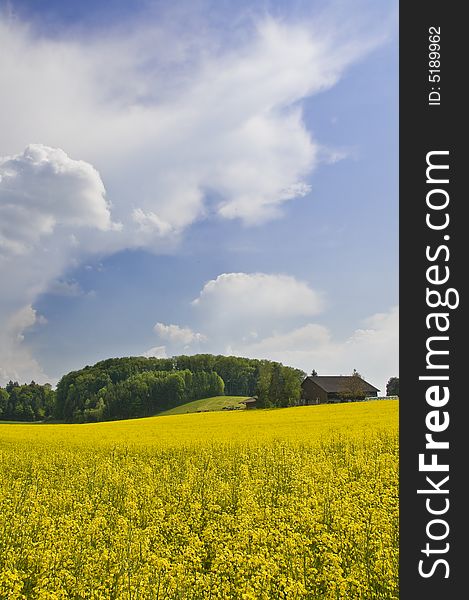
x=250 y=505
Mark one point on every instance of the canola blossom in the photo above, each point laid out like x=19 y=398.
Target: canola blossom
x=250 y=505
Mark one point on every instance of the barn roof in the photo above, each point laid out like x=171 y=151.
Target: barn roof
x=339 y=383
x=249 y=400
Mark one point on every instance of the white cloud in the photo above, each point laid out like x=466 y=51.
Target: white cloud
x=42 y=189
x=301 y=339
x=165 y=123
x=237 y=309
x=373 y=351
x=20 y=321
x=149 y=222
x=178 y=335
x=16 y=361
x=232 y=297
x=156 y=352
x=269 y=316
x=52 y=211
x=167 y=119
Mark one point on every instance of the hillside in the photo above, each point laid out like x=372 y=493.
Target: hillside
x=122 y=388
x=206 y=405
x=138 y=386
x=305 y=423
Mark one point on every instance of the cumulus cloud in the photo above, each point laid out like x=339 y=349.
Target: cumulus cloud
x=42 y=189
x=372 y=350
x=252 y=297
x=181 y=125
x=19 y=321
x=16 y=361
x=269 y=316
x=178 y=335
x=168 y=123
x=51 y=207
x=149 y=222
x=237 y=309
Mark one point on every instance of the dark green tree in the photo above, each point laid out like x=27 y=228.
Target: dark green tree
x=128 y=387
x=276 y=385
x=4 y=398
x=392 y=387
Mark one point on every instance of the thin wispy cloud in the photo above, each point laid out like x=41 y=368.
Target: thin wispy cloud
x=177 y=334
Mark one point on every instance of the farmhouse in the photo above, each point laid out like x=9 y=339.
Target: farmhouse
x=335 y=388
x=250 y=402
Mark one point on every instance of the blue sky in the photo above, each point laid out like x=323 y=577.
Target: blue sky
x=216 y=177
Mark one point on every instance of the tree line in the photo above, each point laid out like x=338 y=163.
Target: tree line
x=121 y=388
x=140 y=395
x=27 y=402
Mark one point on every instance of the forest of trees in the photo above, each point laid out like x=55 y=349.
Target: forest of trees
x=135 y=386
x=121 y=388
x=27 y=402
x=84 y=398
